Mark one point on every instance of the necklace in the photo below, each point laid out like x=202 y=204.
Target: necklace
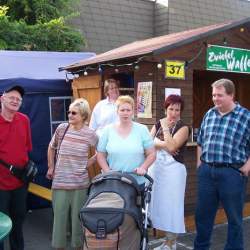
x=172 y=129
x=161 y=129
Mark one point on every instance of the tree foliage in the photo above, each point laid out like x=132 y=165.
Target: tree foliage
x=38 y=25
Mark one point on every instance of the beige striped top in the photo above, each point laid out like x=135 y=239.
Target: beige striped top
x=70 y=169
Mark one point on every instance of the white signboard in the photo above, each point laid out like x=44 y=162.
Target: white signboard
x=172 y=91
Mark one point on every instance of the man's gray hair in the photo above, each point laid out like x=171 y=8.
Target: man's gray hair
x=227 y=84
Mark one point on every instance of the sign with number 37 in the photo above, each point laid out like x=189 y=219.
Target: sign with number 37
x=175 y=69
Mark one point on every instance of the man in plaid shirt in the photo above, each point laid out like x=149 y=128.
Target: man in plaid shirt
x=223 y=162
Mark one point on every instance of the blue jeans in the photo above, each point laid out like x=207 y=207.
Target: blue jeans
x=216 y=186
x=13 y=203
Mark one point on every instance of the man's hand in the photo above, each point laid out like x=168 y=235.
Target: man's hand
x=245 y=170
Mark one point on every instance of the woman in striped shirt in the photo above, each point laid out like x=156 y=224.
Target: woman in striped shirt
x=69 y=173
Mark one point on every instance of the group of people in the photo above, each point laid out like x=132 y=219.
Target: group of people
x=124 y=145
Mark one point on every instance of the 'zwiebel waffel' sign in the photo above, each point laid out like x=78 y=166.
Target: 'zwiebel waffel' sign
x=220 y=58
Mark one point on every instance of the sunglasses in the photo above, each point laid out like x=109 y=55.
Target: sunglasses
x=72 y=113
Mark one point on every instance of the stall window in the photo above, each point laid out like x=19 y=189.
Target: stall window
x=126 y=82
x=58 y=111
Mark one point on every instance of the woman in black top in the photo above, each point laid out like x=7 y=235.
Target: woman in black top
x=169 y=172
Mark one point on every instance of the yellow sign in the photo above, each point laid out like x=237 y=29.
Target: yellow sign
x=175 y=69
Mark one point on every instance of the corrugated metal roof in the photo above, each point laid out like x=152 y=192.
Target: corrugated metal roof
x=156 y=45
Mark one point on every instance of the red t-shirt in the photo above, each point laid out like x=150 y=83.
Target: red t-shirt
x=15 y=143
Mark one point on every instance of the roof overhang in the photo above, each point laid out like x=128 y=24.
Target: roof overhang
x=154 y=46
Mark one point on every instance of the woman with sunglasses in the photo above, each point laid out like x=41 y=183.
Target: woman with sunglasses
x=70 y=144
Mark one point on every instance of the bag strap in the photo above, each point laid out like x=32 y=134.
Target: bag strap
x=64 y=133
x=157 y=131
x=15 y=171
x=5 y=164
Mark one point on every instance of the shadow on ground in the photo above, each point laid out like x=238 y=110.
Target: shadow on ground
x=38 y=227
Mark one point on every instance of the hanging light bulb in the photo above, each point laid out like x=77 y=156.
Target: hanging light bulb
x=159 y=65
x=137 y=67
x=100 y=69
x=116 y=70
x=225 y=41
x=85 y=73
x=66 y=77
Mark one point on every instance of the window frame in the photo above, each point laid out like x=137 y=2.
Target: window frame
x=64 y=98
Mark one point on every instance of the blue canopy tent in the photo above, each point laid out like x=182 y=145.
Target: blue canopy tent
x=47 y=96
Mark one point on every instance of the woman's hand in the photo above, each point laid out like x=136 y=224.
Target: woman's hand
x=51 y=163
x=140 y=171
x=50 y=173
x=166 y=124
x=175 y=153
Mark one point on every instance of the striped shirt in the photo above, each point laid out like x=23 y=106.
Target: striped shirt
x=72 y=158
x=225 y=139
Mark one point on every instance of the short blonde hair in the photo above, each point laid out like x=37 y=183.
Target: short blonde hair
x=125 y=99
x=227 y=84
x=107 y=84
x=83 y=106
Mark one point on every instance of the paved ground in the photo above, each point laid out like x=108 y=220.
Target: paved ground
x=185 y=241
x=39 y=224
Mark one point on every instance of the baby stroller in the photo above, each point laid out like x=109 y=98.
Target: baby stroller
x=112 y=217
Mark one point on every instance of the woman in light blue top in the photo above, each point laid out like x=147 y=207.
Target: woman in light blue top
x=126 y=146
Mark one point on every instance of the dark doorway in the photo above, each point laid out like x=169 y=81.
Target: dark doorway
x=202 y=92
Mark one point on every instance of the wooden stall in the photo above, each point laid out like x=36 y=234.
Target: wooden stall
x=175 y=62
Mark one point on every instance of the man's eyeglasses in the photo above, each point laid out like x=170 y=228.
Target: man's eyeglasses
x=72 y=113
x=13 y=98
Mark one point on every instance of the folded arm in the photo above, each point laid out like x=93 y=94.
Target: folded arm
x=171 y=144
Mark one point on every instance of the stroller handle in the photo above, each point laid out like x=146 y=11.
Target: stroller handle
x=149 y=178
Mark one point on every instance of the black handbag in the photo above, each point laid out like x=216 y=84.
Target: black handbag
x=29 y=172
x=26 y=174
